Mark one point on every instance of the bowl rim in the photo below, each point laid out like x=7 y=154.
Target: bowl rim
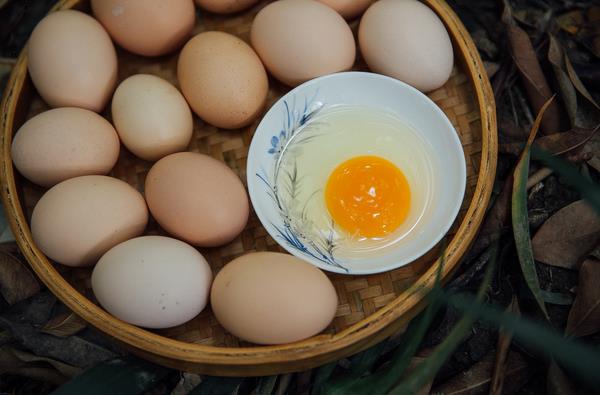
x=255 y=156
x=263 y=360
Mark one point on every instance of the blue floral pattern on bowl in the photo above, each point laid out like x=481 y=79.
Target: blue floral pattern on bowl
x=296 y=228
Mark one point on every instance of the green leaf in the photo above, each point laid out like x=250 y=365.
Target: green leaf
x=520 y=220
x=127 y=376
x=218 y=386
x=427 y=370
x=266 y=385
x=557 y=298
x=579 y=358
x=322 y=376
x=383 y=380
x=588 y=189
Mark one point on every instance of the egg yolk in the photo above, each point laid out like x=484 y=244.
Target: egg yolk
x=368 y=196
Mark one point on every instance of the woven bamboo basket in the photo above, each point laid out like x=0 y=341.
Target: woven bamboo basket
x=370 y=307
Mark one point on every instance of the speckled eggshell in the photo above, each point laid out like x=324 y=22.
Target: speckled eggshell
x=152 y=281
x=197 y=199
x=147 y=27
x=63 y=143
x=272 y=298
x=225 y=6
x=72 y=61
x=78 y=220
x=151 y=116
x=349 y=9
x=406 y=40
x=298 y=40
x=222 y=79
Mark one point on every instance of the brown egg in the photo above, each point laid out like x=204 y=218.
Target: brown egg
x=197 y=198
x=72 y=61
x=225 y=6
x=147 y=27
x=349 y=9
x=78 y=220
x=64 y=143
x=222 y=79
x=152 y=117
x=272 y=298
x=406 y=40
x=298 y=40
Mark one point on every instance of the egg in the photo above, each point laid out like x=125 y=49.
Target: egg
x=78 y=220
x=223 y=79
x=272 y=298
x=72 y=61
x=151 y=116
x=406 y=40
x=147 y=27
x=152 y=281
x=298 y=40
x=367 y=194
x=197 y=199
x=63 y=143
x=348 y=8
x=225 y=6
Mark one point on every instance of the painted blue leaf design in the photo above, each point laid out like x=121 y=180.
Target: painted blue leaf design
x=289 y=231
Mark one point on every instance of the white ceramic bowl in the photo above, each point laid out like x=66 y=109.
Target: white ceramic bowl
x=286 y=219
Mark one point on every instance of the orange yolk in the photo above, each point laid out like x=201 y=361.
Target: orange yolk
x=368 y=196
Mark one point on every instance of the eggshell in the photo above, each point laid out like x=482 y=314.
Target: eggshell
x=348 y=8
x=225 y=6
x=78 y=220
x=147 y=27
x=64 y=143
x=72 y=61
x=223 y=79
x=152 y=281
x=272 y=298
x=406 y=40
x=298 y=40
x=151 y=116
x=197 y=198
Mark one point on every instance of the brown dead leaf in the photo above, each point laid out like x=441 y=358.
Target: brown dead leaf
x=25 y=364
x=571 y=22
x=568 y=236
x=64 y=325
x=502 y=348
x=584 y=317
x=477 y=379
x=556 y=143
x=537 y=87
x=16 y=281
x=557 y=382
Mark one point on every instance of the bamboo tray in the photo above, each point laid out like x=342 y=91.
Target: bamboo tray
x=370 y=307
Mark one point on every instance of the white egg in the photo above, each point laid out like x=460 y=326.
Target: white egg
x=152 y=281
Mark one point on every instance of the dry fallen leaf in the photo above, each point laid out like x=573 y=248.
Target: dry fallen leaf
x=502 y=349
x=16 y=281
x=568 y=236
x=477 y=379
x=64 y=325
x=584 y=317
x=556 y=143
x=537 y=87
x=557 y=382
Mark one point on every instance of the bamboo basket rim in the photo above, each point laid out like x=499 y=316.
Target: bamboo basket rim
x=316 y=348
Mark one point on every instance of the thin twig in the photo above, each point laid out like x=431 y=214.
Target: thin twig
x=538 y=177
